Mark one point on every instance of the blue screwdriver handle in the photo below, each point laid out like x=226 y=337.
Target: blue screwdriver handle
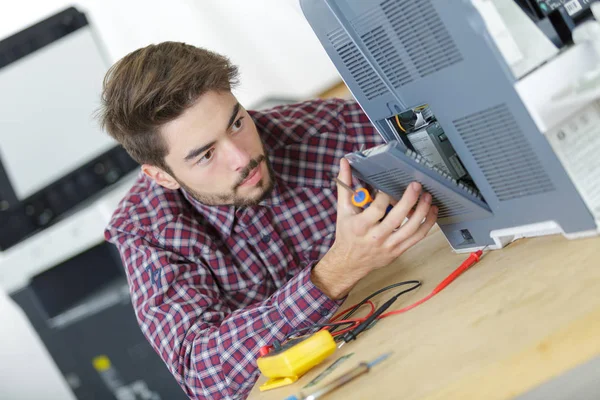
x=389 y=208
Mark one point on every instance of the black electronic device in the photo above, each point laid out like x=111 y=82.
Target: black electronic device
x=539 y=9
x=574 y=8
x=557 y=18
x=82 y=312
x=53 y=157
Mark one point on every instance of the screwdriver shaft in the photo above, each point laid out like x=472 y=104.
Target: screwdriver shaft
x=344 y=185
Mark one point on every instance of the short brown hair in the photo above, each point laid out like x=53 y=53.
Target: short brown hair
x=154 y=85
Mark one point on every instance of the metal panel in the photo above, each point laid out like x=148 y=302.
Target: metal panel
x=456 y=68
x=390 y=169
x=423 y=34
x=507 y=160
x=380 y=46
x=361 y=71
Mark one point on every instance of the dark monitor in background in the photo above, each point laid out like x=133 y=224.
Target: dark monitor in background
x=53 y=154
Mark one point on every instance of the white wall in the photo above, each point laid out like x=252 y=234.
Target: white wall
x=269 y=40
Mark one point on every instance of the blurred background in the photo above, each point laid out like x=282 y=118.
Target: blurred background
x=67 y=329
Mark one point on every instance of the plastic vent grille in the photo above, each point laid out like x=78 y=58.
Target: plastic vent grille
x=381 y=47
x=366 y=78
x=423 y=34
x=394 y=183
x=503 y=154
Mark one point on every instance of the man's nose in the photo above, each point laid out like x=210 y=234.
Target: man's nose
x=238 y=157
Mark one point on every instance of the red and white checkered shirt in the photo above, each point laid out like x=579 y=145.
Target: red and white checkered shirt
x=212 y=284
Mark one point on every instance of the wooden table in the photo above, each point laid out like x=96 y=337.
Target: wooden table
x=518 y=318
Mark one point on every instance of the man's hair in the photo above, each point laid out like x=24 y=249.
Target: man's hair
x=154 y=85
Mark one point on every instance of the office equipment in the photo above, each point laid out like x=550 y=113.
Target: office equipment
x=60 y=180
x=53 y=154
x=361 y=369
x=82 y=312
x=574 y=8
x=520 y=116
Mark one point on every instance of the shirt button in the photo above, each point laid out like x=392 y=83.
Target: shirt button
x=266 y=238
x=323 y=311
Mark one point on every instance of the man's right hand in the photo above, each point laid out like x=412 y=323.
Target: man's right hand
x=364 y=241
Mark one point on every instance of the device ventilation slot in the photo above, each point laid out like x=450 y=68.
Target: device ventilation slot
x=364 y=75
x=423 y=34
x=505 y=157
x=381 y=48
x=394 y=182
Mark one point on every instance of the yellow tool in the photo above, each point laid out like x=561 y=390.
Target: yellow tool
x=297 y=356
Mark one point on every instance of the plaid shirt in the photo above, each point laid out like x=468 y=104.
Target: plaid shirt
x=210 y=285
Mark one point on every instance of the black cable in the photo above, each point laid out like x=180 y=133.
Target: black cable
x=350 y=312
x=317 y=326
x=351 y=335
x=358 y=305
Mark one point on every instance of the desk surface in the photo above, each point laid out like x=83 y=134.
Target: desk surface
x=519 y=317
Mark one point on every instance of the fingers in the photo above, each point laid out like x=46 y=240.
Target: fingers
x=400 y=211
x=421 y=211
x=413 y=224
x=344 y=195
x=401 y=243
x=376 y=210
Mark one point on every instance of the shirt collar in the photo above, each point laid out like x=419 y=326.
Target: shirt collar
x=223 y=217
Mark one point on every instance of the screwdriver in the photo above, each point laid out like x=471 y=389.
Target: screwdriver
x=354 y=373
x=361 y=198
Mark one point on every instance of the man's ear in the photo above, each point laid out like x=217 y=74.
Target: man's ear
x=160 y=176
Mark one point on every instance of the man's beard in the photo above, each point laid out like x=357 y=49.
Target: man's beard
x=232 y=198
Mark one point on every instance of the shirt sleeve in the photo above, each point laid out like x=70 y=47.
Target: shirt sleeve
x=209 y=348
x=357 y=125
x=297 y=122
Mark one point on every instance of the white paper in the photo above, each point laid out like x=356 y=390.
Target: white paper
x=577 y=144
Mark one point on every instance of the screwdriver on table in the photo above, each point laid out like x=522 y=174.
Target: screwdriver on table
x=361 y=198
x=354 y=373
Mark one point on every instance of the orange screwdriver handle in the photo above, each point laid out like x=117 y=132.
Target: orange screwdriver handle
x=361 y=198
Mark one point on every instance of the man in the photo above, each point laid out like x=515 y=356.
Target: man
x=232 y=235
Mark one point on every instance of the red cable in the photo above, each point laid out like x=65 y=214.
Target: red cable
x=472 y=259
x=410 y=307
x=356 y=323
x=355 y=320
x=369 y=302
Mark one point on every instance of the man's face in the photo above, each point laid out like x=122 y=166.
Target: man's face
x=216 y=154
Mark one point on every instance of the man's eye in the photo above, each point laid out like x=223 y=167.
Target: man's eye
x=237 y=125
x=206 y=157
